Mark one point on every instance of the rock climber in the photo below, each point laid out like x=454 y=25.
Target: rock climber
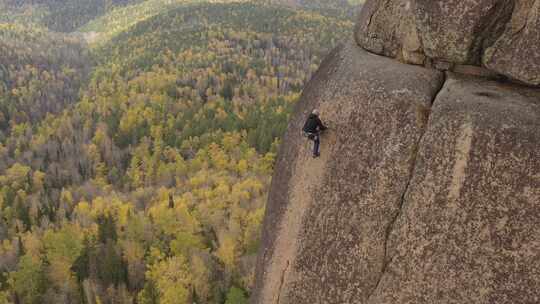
x=312 y=130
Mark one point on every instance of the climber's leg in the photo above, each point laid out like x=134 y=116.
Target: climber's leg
x=316 y=146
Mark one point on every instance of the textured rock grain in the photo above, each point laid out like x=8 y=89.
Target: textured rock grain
x=501 y=35
x=389 y=29
x=457 y=31
x=516 y=54
x=469 y=229
x=454 y=31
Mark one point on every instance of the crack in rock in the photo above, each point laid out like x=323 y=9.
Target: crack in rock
x=282 y=281
x=390 y=228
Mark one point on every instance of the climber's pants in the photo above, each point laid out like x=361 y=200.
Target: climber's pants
x=316 y=145
x=315 y=137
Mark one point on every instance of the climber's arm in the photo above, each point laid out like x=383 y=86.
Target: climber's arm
x=321 y=126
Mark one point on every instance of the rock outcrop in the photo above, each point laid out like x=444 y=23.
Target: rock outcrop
x=503 y=35
x=516 y=53
x=428 y=187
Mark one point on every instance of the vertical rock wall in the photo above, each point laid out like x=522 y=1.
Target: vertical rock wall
x=428 y=187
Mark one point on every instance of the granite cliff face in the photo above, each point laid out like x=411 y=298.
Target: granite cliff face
x=428 y=187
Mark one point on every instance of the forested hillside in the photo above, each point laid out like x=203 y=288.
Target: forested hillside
x=322 y=4
x=118 y=15
x=62 y=16
x=137 y=172
x=122 y=18
x=40 y=73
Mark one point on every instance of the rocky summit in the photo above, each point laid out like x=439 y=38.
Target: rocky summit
x=428 y=186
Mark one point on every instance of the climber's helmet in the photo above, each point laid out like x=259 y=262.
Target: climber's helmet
x=315 y=112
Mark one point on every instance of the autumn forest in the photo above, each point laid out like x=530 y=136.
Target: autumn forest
x=137 y=142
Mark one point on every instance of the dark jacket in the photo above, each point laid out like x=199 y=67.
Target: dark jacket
x=313 y=124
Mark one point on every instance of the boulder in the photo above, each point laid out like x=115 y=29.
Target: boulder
x=389 y=29
x=516 y=53
x=452 y=31
x=457 y=31
x=500 y=35
x=468 y=230
x=328 y=218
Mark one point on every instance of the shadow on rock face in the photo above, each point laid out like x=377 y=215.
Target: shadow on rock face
x=487 y=94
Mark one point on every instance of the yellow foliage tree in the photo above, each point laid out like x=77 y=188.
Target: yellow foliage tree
x=172 y=278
